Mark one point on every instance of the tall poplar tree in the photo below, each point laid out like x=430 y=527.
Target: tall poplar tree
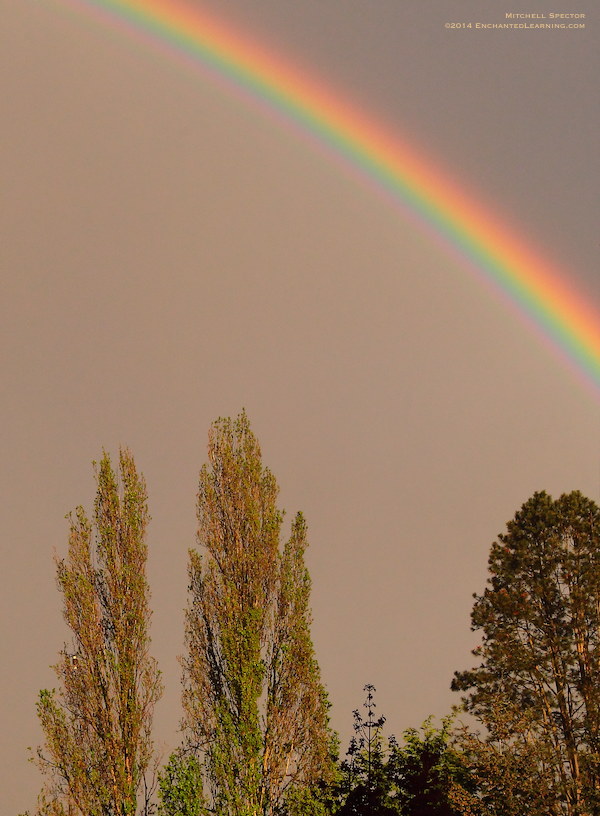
x=254 y=703
x=98 y=726
x=538 y=685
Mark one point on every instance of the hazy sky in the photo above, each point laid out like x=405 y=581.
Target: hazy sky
x=168 y=256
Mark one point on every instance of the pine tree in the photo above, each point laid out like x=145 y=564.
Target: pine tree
x=538 y=685
x=254 y=704
x=98 y=726
x=502 y=774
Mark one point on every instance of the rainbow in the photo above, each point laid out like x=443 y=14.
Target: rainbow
x=528 y=283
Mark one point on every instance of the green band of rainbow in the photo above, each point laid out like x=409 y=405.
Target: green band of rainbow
x=539 y=291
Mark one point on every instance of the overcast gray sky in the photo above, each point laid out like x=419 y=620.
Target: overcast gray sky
x=168 y=256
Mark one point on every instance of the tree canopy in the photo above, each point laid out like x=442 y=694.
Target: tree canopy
x=537 y=688
x=254 y=703
x=256 y=730
x=98 y=726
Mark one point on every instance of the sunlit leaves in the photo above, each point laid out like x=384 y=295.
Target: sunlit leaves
x=538 y=685
x=97 y=727
x=255 y=707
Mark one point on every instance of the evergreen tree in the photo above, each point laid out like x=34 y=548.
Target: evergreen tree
x=537 y=688
x=98 y=726
x=254 y=704
x=502 y=775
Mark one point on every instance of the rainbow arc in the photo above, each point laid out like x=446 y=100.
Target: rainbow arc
x=529 y=283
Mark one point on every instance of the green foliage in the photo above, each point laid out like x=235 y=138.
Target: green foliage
x=253 y=698
x=537 y=689
x=258 y=741
x=426 y=775
x=426 y=771
x=307 y=801
x=320 y=798
x=180 y=787
x=97 y=726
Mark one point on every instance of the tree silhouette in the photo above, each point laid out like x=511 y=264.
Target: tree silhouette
x=365 y=783
x=429 y=773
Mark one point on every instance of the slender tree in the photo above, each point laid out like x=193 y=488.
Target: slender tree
x=366 y=787
x=538 y=685
x=98 y=726
x=425 y=775
x=254 y=704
